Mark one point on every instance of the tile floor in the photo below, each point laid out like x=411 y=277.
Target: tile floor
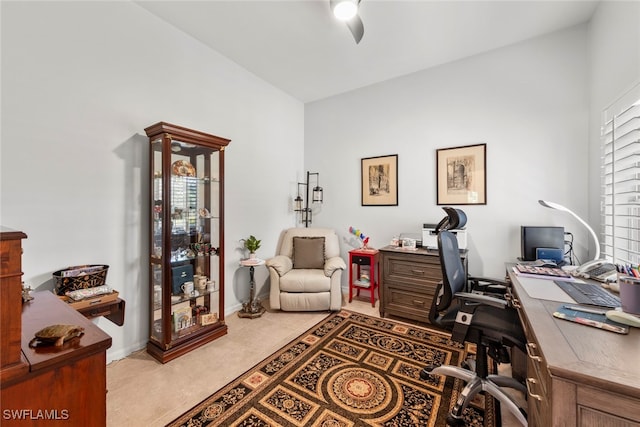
x=142 y=391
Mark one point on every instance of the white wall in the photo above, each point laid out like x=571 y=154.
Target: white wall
x=527 y=102
x=80 y=82
x=614 y=65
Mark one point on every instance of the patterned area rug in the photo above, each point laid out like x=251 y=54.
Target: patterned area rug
x=348 y=370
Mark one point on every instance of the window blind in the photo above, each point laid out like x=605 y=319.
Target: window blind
x=620 y=206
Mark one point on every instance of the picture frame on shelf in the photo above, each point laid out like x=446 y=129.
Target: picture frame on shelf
x=461 y=175
x=208 y=319
x=379 y=180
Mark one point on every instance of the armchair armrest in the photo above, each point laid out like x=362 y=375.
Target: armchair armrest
x=281 y=264
x=333 y=264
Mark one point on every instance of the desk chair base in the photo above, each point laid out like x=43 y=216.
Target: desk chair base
x=474 y=384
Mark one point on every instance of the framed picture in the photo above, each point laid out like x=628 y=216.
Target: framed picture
x=380 y=181
x=208 y=319
x=462 y=175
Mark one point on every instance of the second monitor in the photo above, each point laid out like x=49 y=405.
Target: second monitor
x=534 y=237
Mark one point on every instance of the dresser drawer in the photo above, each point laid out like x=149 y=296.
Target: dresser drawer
x=404 y=302
x=412 y=269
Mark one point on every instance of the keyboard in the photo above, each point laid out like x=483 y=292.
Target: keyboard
x=589 y=293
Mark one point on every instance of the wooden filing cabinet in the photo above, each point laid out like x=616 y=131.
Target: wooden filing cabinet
x=409 y=280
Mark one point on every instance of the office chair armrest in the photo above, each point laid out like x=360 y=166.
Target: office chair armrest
x=467 y=297
x=487 y=285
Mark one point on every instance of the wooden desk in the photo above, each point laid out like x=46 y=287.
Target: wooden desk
x=66 y=385
x=577 y=375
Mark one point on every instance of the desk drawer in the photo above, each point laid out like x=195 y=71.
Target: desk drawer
x=360 y=260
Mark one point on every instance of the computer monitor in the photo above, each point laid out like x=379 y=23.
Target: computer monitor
x=533 y=237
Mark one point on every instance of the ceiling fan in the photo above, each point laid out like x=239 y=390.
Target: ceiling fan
x=347 y=11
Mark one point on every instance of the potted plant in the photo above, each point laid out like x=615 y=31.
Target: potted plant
x=252 y=244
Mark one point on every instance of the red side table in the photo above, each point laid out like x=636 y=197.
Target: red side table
x=364 y=260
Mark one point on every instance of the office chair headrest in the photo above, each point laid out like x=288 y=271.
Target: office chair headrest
x=455 y=218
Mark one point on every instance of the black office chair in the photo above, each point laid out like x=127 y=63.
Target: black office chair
x=483 y=319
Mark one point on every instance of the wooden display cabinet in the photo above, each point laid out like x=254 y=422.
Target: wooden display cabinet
x=186 y=240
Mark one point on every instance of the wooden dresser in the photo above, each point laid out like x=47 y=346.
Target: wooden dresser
x=409 y=280
x=47 y=385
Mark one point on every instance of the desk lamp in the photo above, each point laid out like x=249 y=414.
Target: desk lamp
x=553 y=205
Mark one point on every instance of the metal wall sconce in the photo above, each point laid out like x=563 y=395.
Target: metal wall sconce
x=304 y=211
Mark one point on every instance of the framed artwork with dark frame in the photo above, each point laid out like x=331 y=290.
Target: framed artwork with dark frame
x=462 y=175
x=379 y=181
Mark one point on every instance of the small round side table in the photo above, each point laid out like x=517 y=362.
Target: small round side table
x=252 y=308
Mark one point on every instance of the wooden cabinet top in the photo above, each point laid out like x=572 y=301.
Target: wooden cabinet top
x=47 y=309
x=416 y=251
x=10 y=234
x=186 y=135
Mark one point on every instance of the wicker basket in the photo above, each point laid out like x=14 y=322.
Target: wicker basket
x=80 y=277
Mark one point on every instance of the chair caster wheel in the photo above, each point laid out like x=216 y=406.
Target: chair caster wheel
x=453 y=421
x=425 y=374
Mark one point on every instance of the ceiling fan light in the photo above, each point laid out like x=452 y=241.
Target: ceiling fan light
x=345 y=10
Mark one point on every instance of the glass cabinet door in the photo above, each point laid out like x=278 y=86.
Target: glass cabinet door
x=186 y=260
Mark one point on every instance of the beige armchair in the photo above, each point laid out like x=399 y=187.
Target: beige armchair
x=306 y=270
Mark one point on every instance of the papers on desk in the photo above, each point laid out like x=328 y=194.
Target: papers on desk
x=542 y=271
x=595 y=320
x=544 y=288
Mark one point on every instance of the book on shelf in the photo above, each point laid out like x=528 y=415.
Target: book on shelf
x=182 y=318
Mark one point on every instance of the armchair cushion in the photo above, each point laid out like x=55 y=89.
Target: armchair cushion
x=282 y=264
x=308 y=252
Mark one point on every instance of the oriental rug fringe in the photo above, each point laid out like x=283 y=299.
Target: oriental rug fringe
x=348 y=370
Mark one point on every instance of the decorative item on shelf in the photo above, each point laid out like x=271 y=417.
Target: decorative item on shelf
x=183 y=168
x=198 y=311
x=364 y=239
x=157 y=209
x=304 y=212
x=252 y=244
x=201 y=283
x=202 y=249
x=208 y=319
x=182 y=318
x=26 y=293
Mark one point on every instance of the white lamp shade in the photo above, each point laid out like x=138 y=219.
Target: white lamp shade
x=556 y=206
